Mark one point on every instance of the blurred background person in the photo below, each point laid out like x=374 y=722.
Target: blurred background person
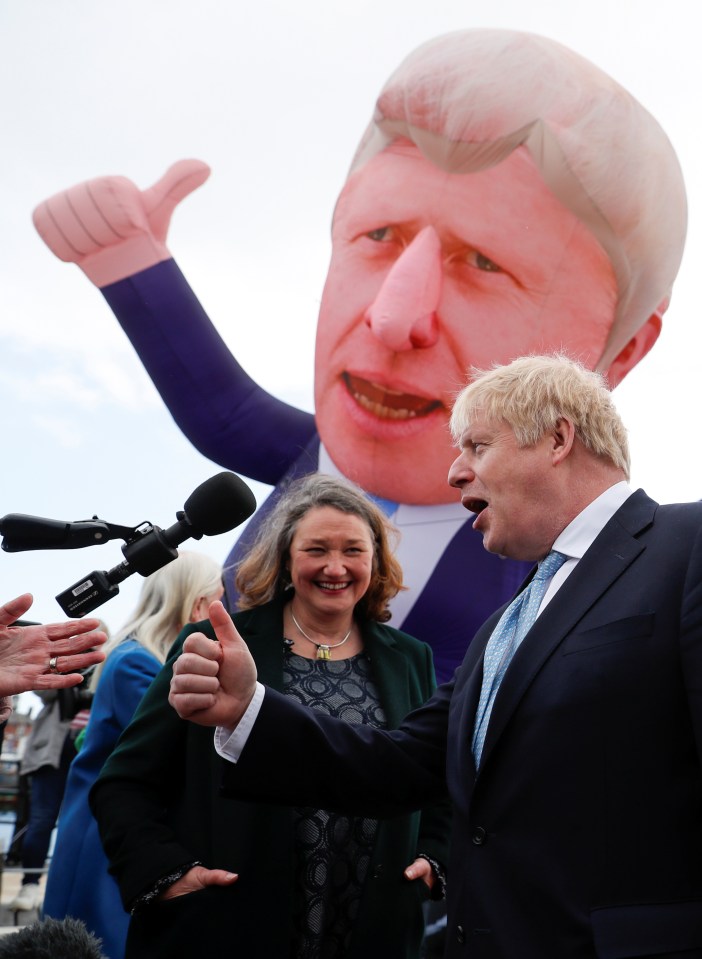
x=47 y=756
x=78 y=883
x=76 y=701
x=206 y=875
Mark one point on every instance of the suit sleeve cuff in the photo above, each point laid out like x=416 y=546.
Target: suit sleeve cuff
x=229 y=743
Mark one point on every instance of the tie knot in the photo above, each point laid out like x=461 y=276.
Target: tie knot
x=550 y=565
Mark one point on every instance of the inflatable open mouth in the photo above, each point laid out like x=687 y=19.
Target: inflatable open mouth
x=386 y=403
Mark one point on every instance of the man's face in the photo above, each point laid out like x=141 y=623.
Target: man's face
x=518 y=274
x=508 y=487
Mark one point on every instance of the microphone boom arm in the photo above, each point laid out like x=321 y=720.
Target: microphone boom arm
x=21 y=532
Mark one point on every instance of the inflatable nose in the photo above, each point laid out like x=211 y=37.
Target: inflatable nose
x=403 y=314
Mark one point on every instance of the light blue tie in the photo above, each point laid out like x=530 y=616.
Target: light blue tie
x=514 y=624
x=388 y=506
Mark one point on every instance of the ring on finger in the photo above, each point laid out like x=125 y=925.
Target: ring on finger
x=53 y=664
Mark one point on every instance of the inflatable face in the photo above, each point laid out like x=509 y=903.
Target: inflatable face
x=488 y=214
x=431 y=274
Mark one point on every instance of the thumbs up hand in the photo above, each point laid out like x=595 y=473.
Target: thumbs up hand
x=213 y=683
x=109 y=227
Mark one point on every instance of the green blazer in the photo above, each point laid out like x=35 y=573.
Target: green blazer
x=158 y=807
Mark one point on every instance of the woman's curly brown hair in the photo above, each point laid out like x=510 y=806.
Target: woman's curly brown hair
x=262 y=574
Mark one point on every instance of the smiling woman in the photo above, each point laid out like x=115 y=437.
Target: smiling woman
x=315 y=590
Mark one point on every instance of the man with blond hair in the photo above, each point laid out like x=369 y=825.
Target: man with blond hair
x=569 y=738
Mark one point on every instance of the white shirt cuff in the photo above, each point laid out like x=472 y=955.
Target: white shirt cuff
x=230 y=742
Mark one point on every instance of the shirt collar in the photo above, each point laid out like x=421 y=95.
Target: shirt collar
x=581 y=532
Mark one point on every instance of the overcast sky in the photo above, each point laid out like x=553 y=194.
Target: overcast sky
x=274 y=96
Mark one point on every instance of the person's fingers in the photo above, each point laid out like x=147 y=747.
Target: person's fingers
x=57 y=680
x=80 y=647
x=187 y=705
x=72 y=629
x=57 y=671
x=14 y=609
x=218 y=877
x=76 y=662
x=197 y=878
x=419 y=869
x=194 y=683
x=225 y=630
x=192 y=662
x=200 y=645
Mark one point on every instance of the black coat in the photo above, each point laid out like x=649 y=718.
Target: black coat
x=158 y=807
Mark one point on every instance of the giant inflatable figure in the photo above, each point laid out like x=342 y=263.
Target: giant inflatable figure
x=506 y=197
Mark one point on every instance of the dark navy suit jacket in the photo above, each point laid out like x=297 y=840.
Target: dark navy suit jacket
x=580 y=837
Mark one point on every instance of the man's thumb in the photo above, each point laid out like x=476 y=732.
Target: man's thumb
x=222 y=623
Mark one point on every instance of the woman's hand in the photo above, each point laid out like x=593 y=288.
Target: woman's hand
x=196 y=879
x=421 y=869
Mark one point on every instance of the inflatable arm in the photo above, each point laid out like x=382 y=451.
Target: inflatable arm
x=117 y=234
x=222 y=411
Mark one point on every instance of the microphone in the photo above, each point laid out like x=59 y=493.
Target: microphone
x=216 y=506
x=219 y=504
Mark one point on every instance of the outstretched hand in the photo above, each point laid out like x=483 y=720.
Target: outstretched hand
x=26 y=652
x=214 y=682
x=111 y=228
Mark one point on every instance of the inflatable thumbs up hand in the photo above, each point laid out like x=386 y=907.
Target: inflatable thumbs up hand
x=111 y=228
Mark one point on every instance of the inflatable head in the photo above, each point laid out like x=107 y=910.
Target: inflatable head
x=507 y=197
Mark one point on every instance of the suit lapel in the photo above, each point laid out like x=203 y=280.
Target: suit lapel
x=612 y=552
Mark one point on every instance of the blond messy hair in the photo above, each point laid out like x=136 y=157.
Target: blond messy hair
x=532 y=393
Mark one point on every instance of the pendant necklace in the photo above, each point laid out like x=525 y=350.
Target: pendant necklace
x=323 y=649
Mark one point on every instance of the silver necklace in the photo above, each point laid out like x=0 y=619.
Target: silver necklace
x=323 y=649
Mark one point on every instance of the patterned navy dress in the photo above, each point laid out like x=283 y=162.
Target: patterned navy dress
x=333 y=851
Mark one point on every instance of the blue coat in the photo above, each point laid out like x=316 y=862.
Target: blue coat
x=78 y=883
